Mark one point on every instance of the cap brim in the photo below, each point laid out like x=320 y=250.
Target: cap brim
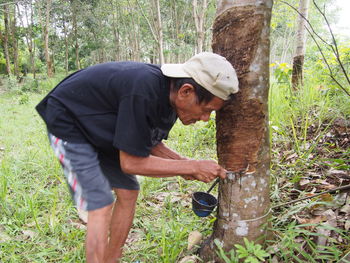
x=174 y=70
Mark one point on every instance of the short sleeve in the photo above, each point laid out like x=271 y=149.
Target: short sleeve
x=133 y=132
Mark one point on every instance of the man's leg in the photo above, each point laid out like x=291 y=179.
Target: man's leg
x=97 y=234
x=122 y=217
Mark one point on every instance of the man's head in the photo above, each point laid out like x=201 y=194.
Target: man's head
x=200 y=86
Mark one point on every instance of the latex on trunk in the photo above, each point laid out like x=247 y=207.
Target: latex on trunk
x=241 y=34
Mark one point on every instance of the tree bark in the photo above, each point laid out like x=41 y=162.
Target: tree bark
x=48 y=59
x=298 y=59
x=66 y=53
x=241 y=34
x=115 y=29
x=75 y=30
x=5 y=38
x=160 y=33
x=15 y=43
x=28 y=31
x=199 y=17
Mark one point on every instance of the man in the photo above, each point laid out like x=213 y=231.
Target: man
x=106 y=123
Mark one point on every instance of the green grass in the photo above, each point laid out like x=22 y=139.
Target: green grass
x=37 y=216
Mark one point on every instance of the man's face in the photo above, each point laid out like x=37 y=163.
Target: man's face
x=190 y=111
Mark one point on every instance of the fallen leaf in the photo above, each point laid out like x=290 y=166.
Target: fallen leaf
x=172 y=186
x=193 y=239
x=274 y=259
x=329 y=215
x=339 y=173
x=323 y=235
x=76 y=225
x=347 y=225
x=134 y=237
x=303 y=182
x=314 y=220
x=346 y=209
x=293 y=156
x=189 y=259
x=29 y=233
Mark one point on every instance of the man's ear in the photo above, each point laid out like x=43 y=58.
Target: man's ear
x=186 y=90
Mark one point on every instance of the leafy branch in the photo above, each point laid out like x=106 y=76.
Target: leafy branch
x=333 y=46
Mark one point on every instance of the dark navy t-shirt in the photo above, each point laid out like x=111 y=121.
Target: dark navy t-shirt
x=115 y=105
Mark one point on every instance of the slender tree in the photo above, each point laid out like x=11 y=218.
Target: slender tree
x=26 y=18
x=46 y=27
x=298 y=59
x=115 y=28
x=14 y=37
x=199 y=18
x=241 y=34
x=74 y=8
x=155 y=25
x=5 y=39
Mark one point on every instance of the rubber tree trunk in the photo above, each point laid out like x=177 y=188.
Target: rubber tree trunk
x=241 y=34
x=298 y=59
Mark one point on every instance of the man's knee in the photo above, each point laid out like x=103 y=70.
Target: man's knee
x=126 y=197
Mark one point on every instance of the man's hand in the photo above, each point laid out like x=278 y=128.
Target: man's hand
x=206 y=171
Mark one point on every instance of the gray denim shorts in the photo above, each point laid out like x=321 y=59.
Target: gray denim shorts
x=90 y=176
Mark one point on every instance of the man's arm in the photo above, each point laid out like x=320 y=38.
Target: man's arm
x=202 y=170
x=161 y=150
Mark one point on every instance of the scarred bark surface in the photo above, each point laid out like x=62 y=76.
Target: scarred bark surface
x=298 y=59
x=241 y=34
x=297 y=73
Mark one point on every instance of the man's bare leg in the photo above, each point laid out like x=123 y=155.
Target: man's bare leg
x=123 y=215
x=97 y=234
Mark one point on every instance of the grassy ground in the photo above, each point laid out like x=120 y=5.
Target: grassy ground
x=38 y=222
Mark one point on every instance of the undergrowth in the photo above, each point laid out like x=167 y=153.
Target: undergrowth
x=38 y=222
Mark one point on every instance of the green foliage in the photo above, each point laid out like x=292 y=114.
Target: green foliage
x=229 y=257
x=316 y=64
x=249 y=253
x=30 y=85
x=11 y=83
x=288 y=249
x=23 y=99
x=281 y=71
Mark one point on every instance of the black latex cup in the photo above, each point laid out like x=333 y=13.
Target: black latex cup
x=203 y=203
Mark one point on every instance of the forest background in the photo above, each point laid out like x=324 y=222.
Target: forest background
x=42 y=41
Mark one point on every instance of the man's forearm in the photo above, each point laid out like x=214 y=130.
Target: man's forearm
x=167 y=165
x=202 y=170
x=161 y=150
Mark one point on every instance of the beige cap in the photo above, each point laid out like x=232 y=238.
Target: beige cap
x=212 y=71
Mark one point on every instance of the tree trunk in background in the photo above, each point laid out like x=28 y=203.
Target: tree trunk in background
x=6 y=39
x=160 y=33
x=115 y=29
x=298 y=59
x=199 y=17
x=28 y=32
x=66 y=53
x=75 y=30
x=155 y=26
x=15 y=42
x=49 y=64
x=241 y=34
